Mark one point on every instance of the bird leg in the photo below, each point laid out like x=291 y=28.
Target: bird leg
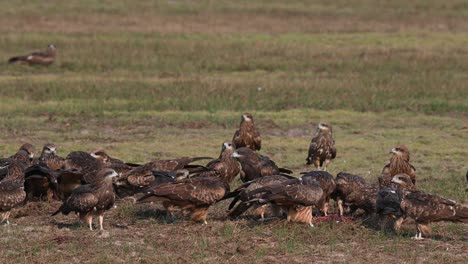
x=101 y=219
x=87 y=219
x=418 y=235
x=340 y=206
x=4 y=217
x=325 y=209
x=397 y=224
x=200 y=214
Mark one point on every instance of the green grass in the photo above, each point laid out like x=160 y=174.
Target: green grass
x=163 y=79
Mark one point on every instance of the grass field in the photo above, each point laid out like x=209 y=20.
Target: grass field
x=163 y=79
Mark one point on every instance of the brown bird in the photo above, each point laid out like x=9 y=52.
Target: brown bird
x=91 y=200
x=225 y=166
x=113 y=163
x=193 y=194
x=46 y=57
x=353 y=191
x=142 y=176
x=12 y=192
x=25 y=154
x=322 y=147
x=296 y=196
x=247 y=135
x=49 y=157
x=399 y=163
x=327 y=183
x=242 y=195
x=422 y=207
x=255 y=165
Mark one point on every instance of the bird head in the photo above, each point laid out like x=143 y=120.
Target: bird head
x=108 y=174
x=100 y=154
x=400 y=151
x=403 y=180
x=49 y=148
x=51 y=47
x=29 y=149
x=228 y=145
x=323 y=127
x=241 y=153
x=247 y=117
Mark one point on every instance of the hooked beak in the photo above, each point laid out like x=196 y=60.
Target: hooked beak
x=396 y=180
x=393 y=150
x=235 y=155
x=31 y=155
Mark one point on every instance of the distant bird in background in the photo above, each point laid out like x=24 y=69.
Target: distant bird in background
x=45 y=57
x=247 y=135
x=399 y=163
x=322 y=147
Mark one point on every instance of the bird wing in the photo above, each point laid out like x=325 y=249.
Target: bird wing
x=82 y=199
x=257 y=140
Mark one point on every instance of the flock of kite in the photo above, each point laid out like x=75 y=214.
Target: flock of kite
x=88 y=183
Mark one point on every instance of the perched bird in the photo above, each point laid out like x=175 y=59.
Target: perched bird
x=91 y=200
x=399 y=163
x=12 y=192
x=46 y=57
x=322 y=147
x=225 y=166
x=247 y=135
x=195 y=194
x=25 y=154
x=255 y=165
x=296 y=196
x=242 y=195
x=49 y=157
x=327 y=183
x=141 y=177
x=353 y=191
x=113 y=163
x=422 y=207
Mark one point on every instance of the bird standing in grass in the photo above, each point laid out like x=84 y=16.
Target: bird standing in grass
x=399 y=163
x=92 y=199
x=247 y=135
x=424 y=208
x=322 y=147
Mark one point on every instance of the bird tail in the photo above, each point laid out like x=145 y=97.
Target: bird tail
x=284 y=170
x=64 y=209
x=16 y=59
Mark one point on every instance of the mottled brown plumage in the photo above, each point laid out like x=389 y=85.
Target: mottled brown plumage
x=255 y=166
x=327 y=183
x=25 y=154
x=399 y=163
x=296 y=196
x=45 y=57
x=193 y=194
x=243 y=194
x=49 y=157
x=247 y=135
x=113 y=163
x=422 y=207
x=12 y=192
x=142 y=176
x=225 y=166
x=91 y=200
x=322 y=147
x=353 y=191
